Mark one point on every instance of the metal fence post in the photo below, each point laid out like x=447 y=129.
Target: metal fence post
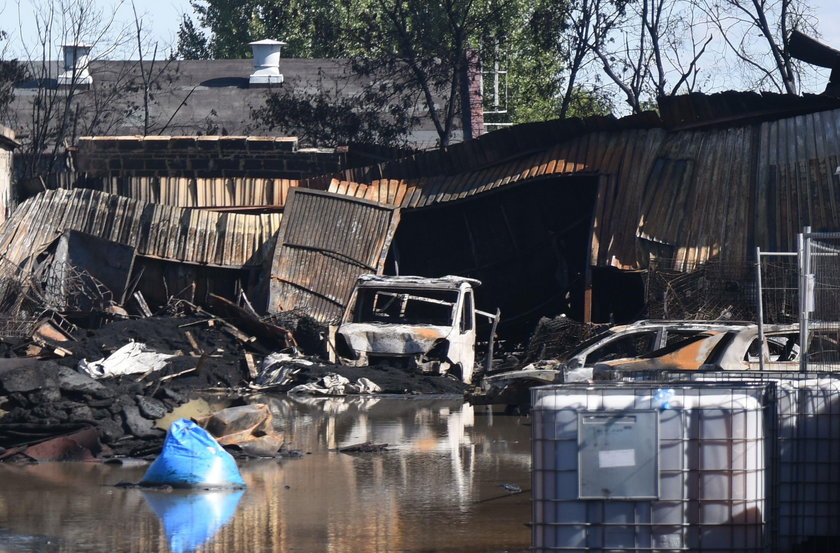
x=803 y=243
x=760 y=308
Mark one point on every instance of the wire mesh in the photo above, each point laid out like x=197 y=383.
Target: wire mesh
x=779 y=289
x=27 y=294
x=554 y=336
x=823 y=349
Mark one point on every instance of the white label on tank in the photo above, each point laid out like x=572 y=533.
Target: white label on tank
x=612 y=458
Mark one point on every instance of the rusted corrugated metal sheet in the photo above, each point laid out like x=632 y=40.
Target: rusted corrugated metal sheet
x=693 y=195
x=719 y=193
x=697 y=195
x=325 y=242
x=697 y=109
x=160 y=231
x=736 y=170
x=197 y=192
x=627 y=155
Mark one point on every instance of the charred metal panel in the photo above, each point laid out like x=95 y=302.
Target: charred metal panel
x=325 y=242
x=163 y=232
x=107 y=262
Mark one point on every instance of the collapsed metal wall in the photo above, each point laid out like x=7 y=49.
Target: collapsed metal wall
x=325 y=242
x=163 y=232
x=184 y=252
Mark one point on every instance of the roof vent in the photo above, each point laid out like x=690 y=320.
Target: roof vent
x=266 y=63
x=75 y=65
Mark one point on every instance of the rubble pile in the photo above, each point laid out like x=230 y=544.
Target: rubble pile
x=43 y=397
x=187 y=338
x=285 y=373
x=309 y=334
x=58 y=382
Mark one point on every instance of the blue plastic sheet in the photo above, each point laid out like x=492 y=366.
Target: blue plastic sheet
x=192 y=518
x=191 y=457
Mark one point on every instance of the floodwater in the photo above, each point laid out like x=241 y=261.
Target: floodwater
x=437 y=488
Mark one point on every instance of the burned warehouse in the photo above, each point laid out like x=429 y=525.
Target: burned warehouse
x=651 y=298
x=555 y=217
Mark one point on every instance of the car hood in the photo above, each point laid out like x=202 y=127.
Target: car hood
x=392 y=339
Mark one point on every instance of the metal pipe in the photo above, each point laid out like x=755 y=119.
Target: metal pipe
x=760 y=308
x=488 y=359
x=803 y=244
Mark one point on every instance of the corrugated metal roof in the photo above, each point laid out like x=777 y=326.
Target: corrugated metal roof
x=697 y=109
x=160 y=231
x=622 y=154
x=746 y=173
x=325 y=242
x=703 y=193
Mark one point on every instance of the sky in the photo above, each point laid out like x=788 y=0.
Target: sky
x=161 y=18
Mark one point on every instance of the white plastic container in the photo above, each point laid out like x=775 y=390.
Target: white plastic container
x=710 y=467
x=804 y=489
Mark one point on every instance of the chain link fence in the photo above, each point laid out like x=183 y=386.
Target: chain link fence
x=821 y=308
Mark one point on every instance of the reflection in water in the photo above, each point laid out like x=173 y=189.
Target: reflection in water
x=190 y=518
x=436 y=488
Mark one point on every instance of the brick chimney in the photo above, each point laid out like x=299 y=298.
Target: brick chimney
x=75 y=65
x=266 y=63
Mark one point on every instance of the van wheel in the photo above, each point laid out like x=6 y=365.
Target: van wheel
x=456 y=372
x=478 y=373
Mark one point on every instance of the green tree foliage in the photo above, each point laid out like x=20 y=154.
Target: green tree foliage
x=532 y=61
x=192 y=44
x=311 y=29
x=409 y=50
x=329 y=117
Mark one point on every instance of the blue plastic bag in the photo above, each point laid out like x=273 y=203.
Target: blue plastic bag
x=191 y=457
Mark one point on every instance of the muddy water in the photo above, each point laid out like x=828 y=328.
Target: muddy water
x=438 y=488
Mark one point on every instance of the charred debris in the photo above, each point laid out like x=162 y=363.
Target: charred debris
x=89 y=364
x=102 y=386
x=234 y=260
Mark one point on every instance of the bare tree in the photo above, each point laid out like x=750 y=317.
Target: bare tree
x=740 y=21
x=588 y=22
x=648 y=48
x=12 y=72
x=54 y=108
x=53 y=115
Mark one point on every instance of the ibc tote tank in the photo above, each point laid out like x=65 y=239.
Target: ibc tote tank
x=803 y=495
x=640 y=467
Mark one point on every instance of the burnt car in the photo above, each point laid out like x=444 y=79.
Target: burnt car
x=412 y=322
x=720 y=349
x=618 y=342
